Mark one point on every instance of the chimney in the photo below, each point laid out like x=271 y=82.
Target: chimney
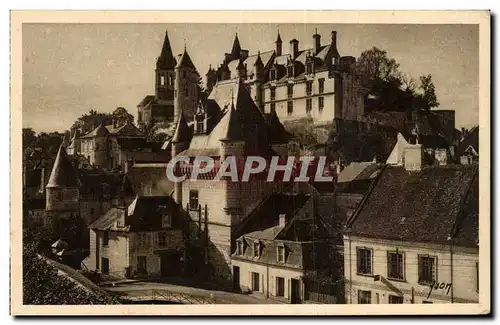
x=122 y=214
x=413 y=157
x=42 y=180
x=282 y=220
x=334 y=39
x=294 y=48
x=317 y=42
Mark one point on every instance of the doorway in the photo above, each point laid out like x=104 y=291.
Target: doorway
x=170 y=264
x=236 y=278
x=295 y=296
x=142 y=265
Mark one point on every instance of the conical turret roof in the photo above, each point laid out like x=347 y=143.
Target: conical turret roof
x=231 y=125
x=278 y=40
x=63 y=173
x=185 y=61
x=182 y=131
x=166 y=59
x=236 y=50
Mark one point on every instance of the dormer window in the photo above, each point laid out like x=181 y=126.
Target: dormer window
x=290 y=71
x=256 y=248
x=240 y=249
x=309 y=67
x=200 y=126
x=273 y=93
x=162 y=80
x=281 y=253
x=272 y=74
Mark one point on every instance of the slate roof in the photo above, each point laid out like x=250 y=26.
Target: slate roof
x=415 y=206
x=358 y=171
x=144 y=214
x=276 y=130
x=472 y=139
x=166 y=59
x=63 y=173
x=185 y=61
x=99 y=131
x=182 y=133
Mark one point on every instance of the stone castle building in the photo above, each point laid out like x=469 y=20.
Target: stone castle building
x=176 y=86
x=315 y=82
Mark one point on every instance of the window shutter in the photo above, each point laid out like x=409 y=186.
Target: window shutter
x=262 y=283
x=273 y=286
x=287 y=293
x=250 y=281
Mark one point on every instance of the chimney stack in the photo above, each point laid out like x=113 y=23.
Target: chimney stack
x=282 y=220
x=317 y=42
x=334 y=39
x=42 y=180
x=294 y=48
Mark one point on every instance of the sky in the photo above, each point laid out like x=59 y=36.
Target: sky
x=69 y=69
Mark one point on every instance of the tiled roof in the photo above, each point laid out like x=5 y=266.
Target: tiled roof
x=144 y=214
x=99 y=131
x=414 y=206
x=63 y=173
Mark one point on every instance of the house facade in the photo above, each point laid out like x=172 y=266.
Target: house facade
x=145 y=239
x=414 y=236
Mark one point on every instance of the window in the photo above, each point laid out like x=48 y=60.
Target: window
x=290 y=108
x=105 y=238
x=308 y=105
x=162 y=80
x=272 y=74
x=309 y=67
x=193 y=199
x=105 y=265
x=281 y=253
x=290 y=71
x=273 y=107
x=166 y=221
x=395 y=266
x=142 y=239
x=256 y=249
x=364 y=297
x=162 y=239
x=240 y=247
x=280 y=287
x=273 y=93
x=139 y=116
x=364 y=260
x=200 y=126
x=321 y=103
x=255 y=281
x=309 y=88
x=321 y=83
x=289 y=91
x=426 y=269
x=395 y=300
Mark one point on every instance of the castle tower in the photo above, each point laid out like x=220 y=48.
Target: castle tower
x=180 y=142
x=62 y=194
x=258 y=70
x=165 y=74
x=101 y=152
x=186 y=91
x=211 y=79
x=236 y=50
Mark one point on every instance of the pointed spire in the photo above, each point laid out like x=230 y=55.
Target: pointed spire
x=185 y=61
x=236 y=50
x=231 y=125
x=182 y=131
x=166 y=59
x=63 y=173
x=278 y=39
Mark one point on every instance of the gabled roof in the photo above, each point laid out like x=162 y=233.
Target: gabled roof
x=470 y=140
x=99 y=131
x=143 y=214
x=185 y=61
x=63 y=173
x=166 y=59
x=419 y=206
x=126 y=130
x=146 y=100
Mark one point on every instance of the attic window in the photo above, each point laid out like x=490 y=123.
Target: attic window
x=256 y=248
x=240 y=247
x=309 y=67
x=281 y=253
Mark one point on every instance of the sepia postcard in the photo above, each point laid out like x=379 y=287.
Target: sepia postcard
x=250 y=163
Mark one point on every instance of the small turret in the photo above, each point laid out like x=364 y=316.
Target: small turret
x=62 y=192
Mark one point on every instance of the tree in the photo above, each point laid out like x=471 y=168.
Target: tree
x=121 y=115
x=375 y=66
x=89 y=121
x=29 y=137
x=428 y=98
